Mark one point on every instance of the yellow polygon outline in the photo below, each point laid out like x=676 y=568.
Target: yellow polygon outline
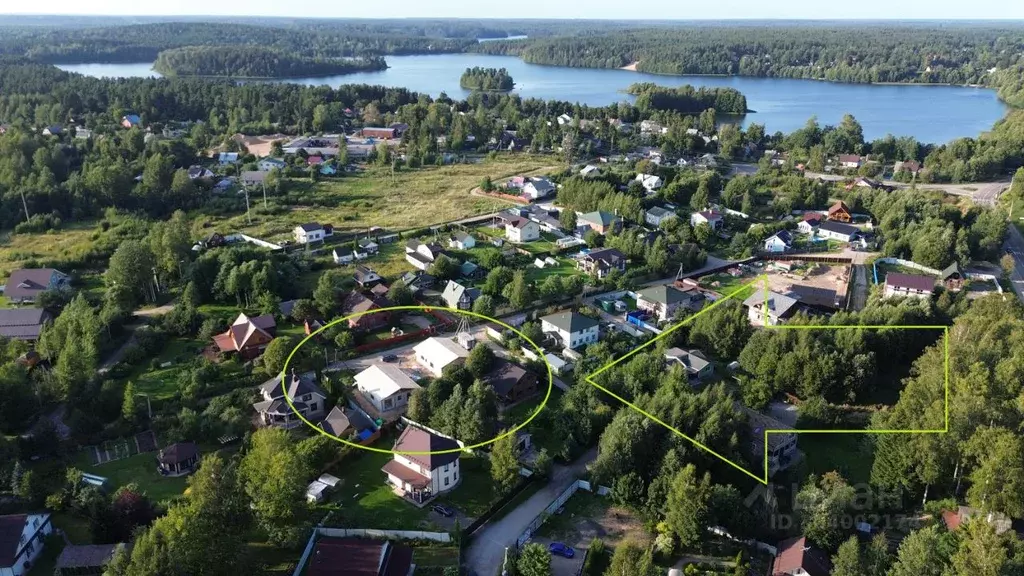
x=764 y=279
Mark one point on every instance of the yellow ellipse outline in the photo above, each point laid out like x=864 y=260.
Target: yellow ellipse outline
x=540 y=354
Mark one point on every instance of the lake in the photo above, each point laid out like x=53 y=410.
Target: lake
x=929 y=113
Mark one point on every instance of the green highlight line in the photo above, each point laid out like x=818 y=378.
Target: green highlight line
x=764 y=278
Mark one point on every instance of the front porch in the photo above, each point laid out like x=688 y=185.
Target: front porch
x=410 y=485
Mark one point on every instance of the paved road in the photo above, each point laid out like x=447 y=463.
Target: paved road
x=859 y=297
x=484 y=556
x=1015 y=243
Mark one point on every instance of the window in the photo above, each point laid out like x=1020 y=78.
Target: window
x=446 y=481
x=312 y=407
x=455 y=476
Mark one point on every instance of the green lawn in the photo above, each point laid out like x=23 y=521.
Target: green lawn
x=76 y=527
x=436 y=556
x=476 y=492
x=727 y=284
x=849 y=454
x=364 y=499
x=162 y=383
x=140 y=469
x=566 y=267
x=582 y=504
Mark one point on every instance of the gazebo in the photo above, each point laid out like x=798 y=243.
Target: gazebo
x=178 y=459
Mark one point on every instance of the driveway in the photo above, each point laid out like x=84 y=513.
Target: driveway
x=859 y=297
x=487 y=551
x=563 y=566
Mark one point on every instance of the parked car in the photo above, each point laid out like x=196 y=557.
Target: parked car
x=560 y=549
x=443 y=510
x=389 y=358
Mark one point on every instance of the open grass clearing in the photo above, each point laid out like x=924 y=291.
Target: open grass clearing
x=849 y=454
x=140 y=469
x=409 y=198
x=475 y=493
x=435 y=556
x=726 y=284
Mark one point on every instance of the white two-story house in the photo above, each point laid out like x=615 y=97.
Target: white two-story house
x=387 y=387
x=307 y=397
x=522 y=230
x=435 y=354
x=419 y=469
x=21 y=541
x=311 y=232
x=571 y=329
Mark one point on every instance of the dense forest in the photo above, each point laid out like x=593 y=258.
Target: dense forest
x=256 y=62
x=687 y=99
x=492 y=79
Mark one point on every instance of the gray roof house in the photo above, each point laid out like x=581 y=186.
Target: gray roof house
x=460 y=297
x=23 y=323
x=342 y=422
x=765 y=304
x=307 y=397
x=695 y=362
x=27 y=284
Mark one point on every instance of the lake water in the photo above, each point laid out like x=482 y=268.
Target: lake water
x=929 y=113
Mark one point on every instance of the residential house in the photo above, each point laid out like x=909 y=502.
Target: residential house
x=22 y=537
x=779 y=242
x=23 y=323
x=863 y=182
x=590 y=171
x=952 y=277
x=663 y=300
x=83 y=133
x=131 y=121
x=377 y=132
x=223 y=184
x=898 y=284
x=462 y=241
x=545 y=217
x=343 y=256
x=387 y=387
x=650 y=182
x=696 y=364
x=314 y=160
x=537 y=187
x=812 y=298
x=178 y=459
x=361 y=308
x=850 y=161
x=309 y=232
x=650 y=128
x=424 y=465
x=55 y=130
x=247 y=336
x=347 y=422
x=417 y=280
x=522 y=230
x=798 y=557
x=782 y=447
x=197 y=172
x=707 y=161
x=368 y=246
x=358 y=557
x=564 y=120
x=268 y=164
x=601 y=222
x=436 y=354
x=840 y=212
x=657 y=214
x=912 y=166
x=573 y=330
x=253 y=178
x=366 y=277
x=306 y=396
x=460 y=297
x=511 y=382
x=26 y=284
x=601 y=262
x=82 y=559
x=225 y=158
x=422 y=255
x=765 y=305
x=809 y=223
x=712 y=218
x=1001 y=522
x=837 y=231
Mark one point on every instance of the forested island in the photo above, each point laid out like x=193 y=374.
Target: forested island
x=687 y=99
x=487 y=79
x=256 y=62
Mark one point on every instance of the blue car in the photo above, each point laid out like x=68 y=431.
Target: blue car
x=559 y=549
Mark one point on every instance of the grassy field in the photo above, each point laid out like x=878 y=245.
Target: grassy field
x=476 y=492
x=140 y=469
x=849 y=454
x=407 y=199
x=162 y=383
x=727 y=284
x=69 y=243
x=435 y=556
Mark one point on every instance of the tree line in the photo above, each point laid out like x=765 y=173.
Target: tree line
x=256 y=62
x=477 y=78
x=687 y=99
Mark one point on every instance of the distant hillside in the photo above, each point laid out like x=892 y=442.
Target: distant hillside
x=255 y=62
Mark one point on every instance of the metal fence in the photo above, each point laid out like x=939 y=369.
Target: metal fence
x=557 y=503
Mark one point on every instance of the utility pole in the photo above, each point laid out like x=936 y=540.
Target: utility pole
x=248 y=217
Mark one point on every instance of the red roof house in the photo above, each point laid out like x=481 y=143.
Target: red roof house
x=247 y=336
x=839 y=212
x=797 y=557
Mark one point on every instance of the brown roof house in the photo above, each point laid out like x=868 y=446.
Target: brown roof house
x=23 y=323
x=898 y=284
x=839 y=212
x=511 y=382
x=602 y=261
x=307 y=397
x=797 y=557
x=358 y=303
x=358 y=557
x=247 y=336
x=419 y=471
x=178 y=459
x=79 y=560
x=27 y=284
x=347 y=422
x=22 y=538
